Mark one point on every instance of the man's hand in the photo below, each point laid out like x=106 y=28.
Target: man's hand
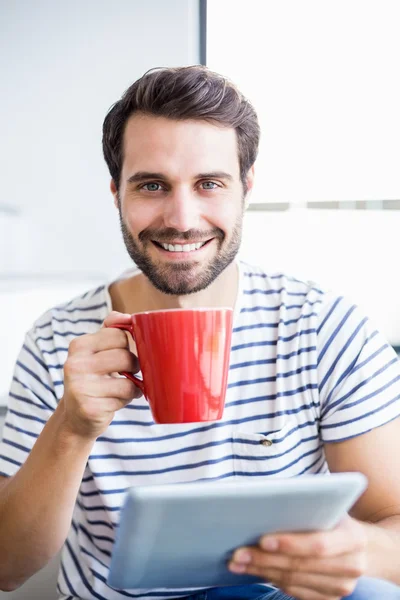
x=92 y=389
x=322 y=565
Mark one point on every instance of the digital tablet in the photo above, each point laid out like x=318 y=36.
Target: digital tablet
x=182 y=535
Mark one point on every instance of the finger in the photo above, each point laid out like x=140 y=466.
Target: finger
x=102 y=363
x=116 y=317
x=123 y=389
x=137 y=391
x=104 y=339
x=330 y=586
x=97 y=407
x=352 y=564
x=348 y=536
x=120 y=388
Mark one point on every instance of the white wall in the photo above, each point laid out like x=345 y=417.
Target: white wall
x=62 y=65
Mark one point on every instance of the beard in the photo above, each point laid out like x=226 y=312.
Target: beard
x=188 y=277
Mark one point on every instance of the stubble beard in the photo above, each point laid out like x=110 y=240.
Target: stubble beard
x=188 y=277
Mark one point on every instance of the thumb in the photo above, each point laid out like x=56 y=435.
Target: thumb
x=116 y=317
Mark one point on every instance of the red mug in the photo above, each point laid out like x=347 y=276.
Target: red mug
x=184 y=359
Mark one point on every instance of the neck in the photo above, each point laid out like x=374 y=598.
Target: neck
x=137 y=294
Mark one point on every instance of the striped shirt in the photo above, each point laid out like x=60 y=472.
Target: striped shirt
x=306 y=368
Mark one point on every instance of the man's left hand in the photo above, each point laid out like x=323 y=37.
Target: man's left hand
x=323 y=565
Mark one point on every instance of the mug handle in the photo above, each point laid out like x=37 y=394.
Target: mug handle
x=128 y=374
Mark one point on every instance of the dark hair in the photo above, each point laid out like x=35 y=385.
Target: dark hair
x=192 y=92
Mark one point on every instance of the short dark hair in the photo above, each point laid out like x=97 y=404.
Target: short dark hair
x=193 y=92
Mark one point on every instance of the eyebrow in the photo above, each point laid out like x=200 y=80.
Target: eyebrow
x=141 y=175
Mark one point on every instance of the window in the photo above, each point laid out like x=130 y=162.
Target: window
x=323 y=77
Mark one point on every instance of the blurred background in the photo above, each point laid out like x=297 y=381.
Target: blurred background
x=323 y=77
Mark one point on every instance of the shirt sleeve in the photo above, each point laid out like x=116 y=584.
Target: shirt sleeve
x=31 y=401
x=358 y=373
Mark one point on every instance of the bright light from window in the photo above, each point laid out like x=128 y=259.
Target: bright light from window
x=324 y=78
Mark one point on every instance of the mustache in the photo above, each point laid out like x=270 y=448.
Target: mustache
x=169 y=233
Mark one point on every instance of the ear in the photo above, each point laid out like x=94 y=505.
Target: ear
x=250 y=184
x=114 y=192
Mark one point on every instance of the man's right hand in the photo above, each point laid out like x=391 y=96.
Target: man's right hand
x=92 y=391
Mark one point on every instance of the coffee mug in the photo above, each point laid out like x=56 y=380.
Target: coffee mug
x=184 y=359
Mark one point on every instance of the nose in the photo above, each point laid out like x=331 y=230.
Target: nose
x=182 y=211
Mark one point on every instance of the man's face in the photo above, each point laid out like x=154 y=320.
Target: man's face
x=180 y=200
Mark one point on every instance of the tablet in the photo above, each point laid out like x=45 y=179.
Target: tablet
x=182 y=535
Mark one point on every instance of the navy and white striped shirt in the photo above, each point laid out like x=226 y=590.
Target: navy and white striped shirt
x=306 y=369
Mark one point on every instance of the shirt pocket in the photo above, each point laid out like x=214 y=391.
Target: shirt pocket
x=277 y=454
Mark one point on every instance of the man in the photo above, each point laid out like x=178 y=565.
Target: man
x=307 y=371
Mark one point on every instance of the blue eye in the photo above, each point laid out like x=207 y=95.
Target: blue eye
x=209 y=185
x=151 y=187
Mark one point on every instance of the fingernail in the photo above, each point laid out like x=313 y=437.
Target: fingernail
x=269 y=544
x=236 y=568
x=242 y=556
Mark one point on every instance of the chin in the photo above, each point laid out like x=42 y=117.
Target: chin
x=178 y=286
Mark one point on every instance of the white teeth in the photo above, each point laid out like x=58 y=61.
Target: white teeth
x=182 y=248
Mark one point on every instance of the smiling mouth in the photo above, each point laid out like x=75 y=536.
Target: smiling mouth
x=182 y=247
